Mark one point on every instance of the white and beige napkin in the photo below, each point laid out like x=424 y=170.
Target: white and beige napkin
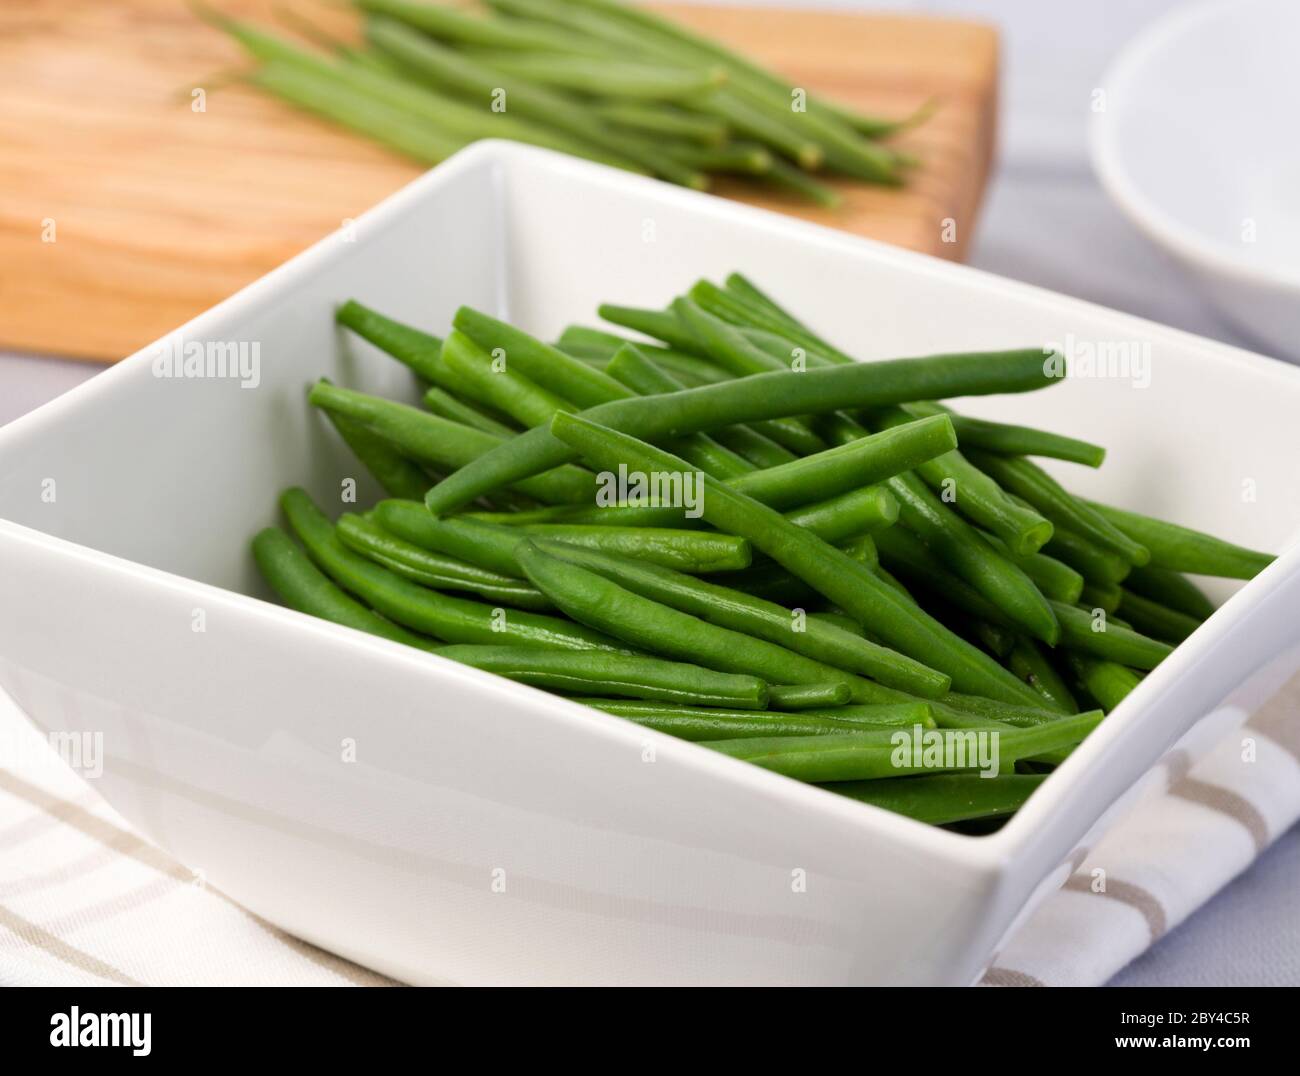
x=85 y=900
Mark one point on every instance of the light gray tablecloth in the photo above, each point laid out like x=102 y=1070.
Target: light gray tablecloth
x=1046 y=221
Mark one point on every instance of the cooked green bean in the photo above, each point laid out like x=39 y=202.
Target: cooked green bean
x=454 y=620
x=1005 y=440
x=1099 y=566
x=633 y=368
x=700 y=723
x=1106 y=681
x=1028 y=662
x=873 y=755
x=904 y=554
x=686 y=551
x=741 y=612
x=863 y=462
x=548 y=366
x=647 y=624
x=809 y=696
x=443 y=404
x=1103 y=596
x=418 y=350
x=433 y=569
x=627 y=675
x=303 y=586
x=1181 y=549
x=397 y=475
x=944 y=798
x=1031 y=483
x=748 y=399
x=989 y=709
x=847 y=583
x=1156 y=620
x=498 y=384
x=1170 y=589
x=973 y=493
x=1103 y=638
x=445 y=444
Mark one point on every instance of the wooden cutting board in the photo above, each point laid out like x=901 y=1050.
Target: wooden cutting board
x=124 y=211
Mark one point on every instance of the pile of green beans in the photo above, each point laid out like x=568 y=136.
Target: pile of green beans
x=839 y=578
x=605 y=81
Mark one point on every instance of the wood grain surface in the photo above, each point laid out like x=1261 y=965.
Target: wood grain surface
x=124 y=211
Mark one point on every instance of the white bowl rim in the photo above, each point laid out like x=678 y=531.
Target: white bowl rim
x=1144 y=212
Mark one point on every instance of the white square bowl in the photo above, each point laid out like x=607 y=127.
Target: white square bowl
x=442 y=825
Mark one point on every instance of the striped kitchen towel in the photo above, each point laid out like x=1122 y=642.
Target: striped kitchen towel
x=85 y=900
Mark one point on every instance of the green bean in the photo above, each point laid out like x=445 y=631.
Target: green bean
x=1106 y=681
x=627 y=675
x=1103 y=596
x=598 y=602
x=741 y=612
x=973 y=493
x=658 y=324
x=863 y=462
x=839 y=620
x=748 y=399
x=773 y=583
x=393 y=127
x=657 y=120
x=1004 y=440
x=444 y=444
x=487 y=547
x=872 y=755
x=1029 y=663
x=944 y=798
x=302 y=586
x=1099 y=566
x=808 y=696
x=1181 y=549
x=452 y=25
x=1054 y=578
x=498 y=384
x=1108 y=640
x=433 y=569
x=745 y=158
x=991 y=710
x=397 y=475
x=787 y=177
x=690 y=369
x=443 y=404
x=1156 y=620
x=454 y=620
x=447 y=69
x=970 y=557
x=685 y=551
x=1031 y=483
x=619 y=79
x=904 y=554
x=847 y=583
x=700 y=723
x=418 y=350
x=751 y=315
x=636 y=370
x=1170 y=589
x=548 y=366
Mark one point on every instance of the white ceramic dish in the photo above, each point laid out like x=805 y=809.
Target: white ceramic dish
x=1197 y=146
x=490 y=833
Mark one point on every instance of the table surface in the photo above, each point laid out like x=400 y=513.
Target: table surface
x=1048 y=222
